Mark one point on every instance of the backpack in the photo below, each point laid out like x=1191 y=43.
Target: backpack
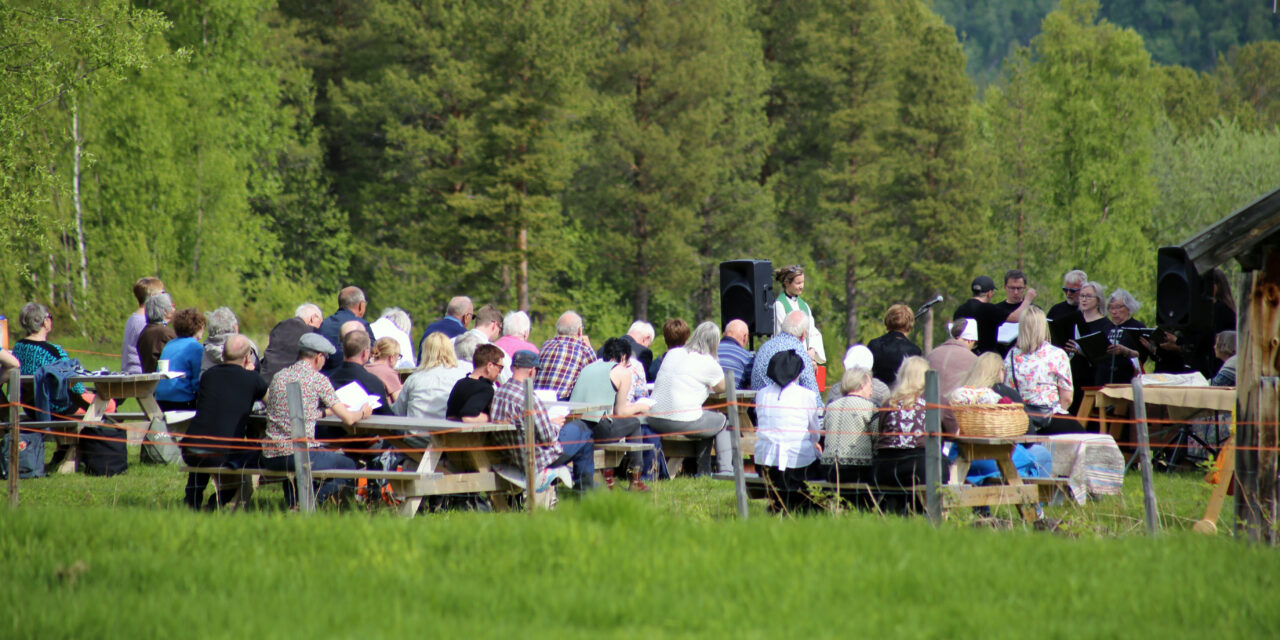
x=102 y=457
x=30 y=456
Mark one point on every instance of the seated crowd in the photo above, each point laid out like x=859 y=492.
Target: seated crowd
x=471 y=365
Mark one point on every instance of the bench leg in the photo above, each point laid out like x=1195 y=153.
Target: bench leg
x=409 y=507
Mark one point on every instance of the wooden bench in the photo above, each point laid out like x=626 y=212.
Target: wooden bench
x=1034 y=490
x=410 y=486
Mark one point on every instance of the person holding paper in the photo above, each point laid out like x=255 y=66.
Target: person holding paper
x=1090 y=321
x=1122 y=354
x=791 y=278
x=355 y=353
x=317 y=392
x=989 y=316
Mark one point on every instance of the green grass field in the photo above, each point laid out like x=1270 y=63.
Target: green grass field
x=121 y=557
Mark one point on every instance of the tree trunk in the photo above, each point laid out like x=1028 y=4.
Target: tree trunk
x=522 y=274
x=75 y=191
x=850 y=299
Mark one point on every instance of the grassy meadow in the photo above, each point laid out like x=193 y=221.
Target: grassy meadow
x=121 y=557
x=87 y=557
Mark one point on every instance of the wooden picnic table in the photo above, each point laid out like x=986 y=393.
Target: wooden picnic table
x=1120 y=397
x=140 y=386
x=1009 y=490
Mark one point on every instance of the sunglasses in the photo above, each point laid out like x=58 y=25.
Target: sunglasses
x=1069 y=290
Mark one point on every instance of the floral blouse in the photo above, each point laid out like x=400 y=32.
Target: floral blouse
x=1037 y=375
x=903 y=427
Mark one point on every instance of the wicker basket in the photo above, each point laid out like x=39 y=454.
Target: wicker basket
x=990 y=420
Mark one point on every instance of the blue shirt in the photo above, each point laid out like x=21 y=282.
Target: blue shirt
x=331 y=327
x=450 y=326
x=782 y=342
x=736 y=359
x=185 y=355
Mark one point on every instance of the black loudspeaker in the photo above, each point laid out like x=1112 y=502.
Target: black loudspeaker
x=1181 y=299
x=746 y=293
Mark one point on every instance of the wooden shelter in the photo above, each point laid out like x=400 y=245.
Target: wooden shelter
x=1252 y=237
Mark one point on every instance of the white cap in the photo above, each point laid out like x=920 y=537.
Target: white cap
x=858 y=357
x=970 y=332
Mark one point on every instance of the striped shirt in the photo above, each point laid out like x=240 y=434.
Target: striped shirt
x=736 y=359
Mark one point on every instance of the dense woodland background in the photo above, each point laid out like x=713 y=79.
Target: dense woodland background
x=607 y=155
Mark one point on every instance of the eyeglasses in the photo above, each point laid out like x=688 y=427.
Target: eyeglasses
x=1070 y=290
x=1088 y=296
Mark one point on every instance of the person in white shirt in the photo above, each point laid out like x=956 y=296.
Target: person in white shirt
x=396 y=324
x=688 y=375
x=787 y=434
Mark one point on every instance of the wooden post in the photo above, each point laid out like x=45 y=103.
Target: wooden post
x=1144 y=457
x=530 y=441
x=932 y=447
x=1248 y=385
x=739 y=482
x=928 y=331
x=302 y=450
x=15 y=395
x=1258 y=399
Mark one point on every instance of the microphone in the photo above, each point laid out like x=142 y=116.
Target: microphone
x=925 y=307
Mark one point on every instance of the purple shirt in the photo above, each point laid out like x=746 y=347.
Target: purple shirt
x=129 y=360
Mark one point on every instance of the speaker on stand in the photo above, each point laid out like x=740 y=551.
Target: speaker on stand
x=746 y=293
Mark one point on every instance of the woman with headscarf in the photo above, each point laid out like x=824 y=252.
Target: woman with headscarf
x=786 y=434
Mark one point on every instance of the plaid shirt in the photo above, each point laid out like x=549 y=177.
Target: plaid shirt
x=562 y=359
x=316 y=390
x=508 y=406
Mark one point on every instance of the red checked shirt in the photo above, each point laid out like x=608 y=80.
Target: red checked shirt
x=561 y=360
x=508 y=406
x=316 y=391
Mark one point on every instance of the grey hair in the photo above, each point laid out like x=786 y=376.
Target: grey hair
x=570 y=323
x=705 y=339
x=1076 y=274
x=459 y=305
x=516 y=324
x=221 y=321
x=1098 y=290
x=1225 y=342
x=796 y=325
x=465 y=346
x=641 y=329
x=157 y=307
x=349 y=297
x=1124 y=296
x=32 y=316
x=308 y=309
x=398 y=317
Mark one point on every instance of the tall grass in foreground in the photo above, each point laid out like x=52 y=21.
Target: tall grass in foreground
x=610 y=565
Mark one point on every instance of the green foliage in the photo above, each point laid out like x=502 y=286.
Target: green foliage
x=1202 y=178
x=1189 y=33
x=668 y=188
x=1071 y=128
x=54 y=52
x=883 y=189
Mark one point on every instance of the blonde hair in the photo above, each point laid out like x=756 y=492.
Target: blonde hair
x=986 y=371
x=910 y=383
x=437 y=351
x=1032 y=329
x=386 y=348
